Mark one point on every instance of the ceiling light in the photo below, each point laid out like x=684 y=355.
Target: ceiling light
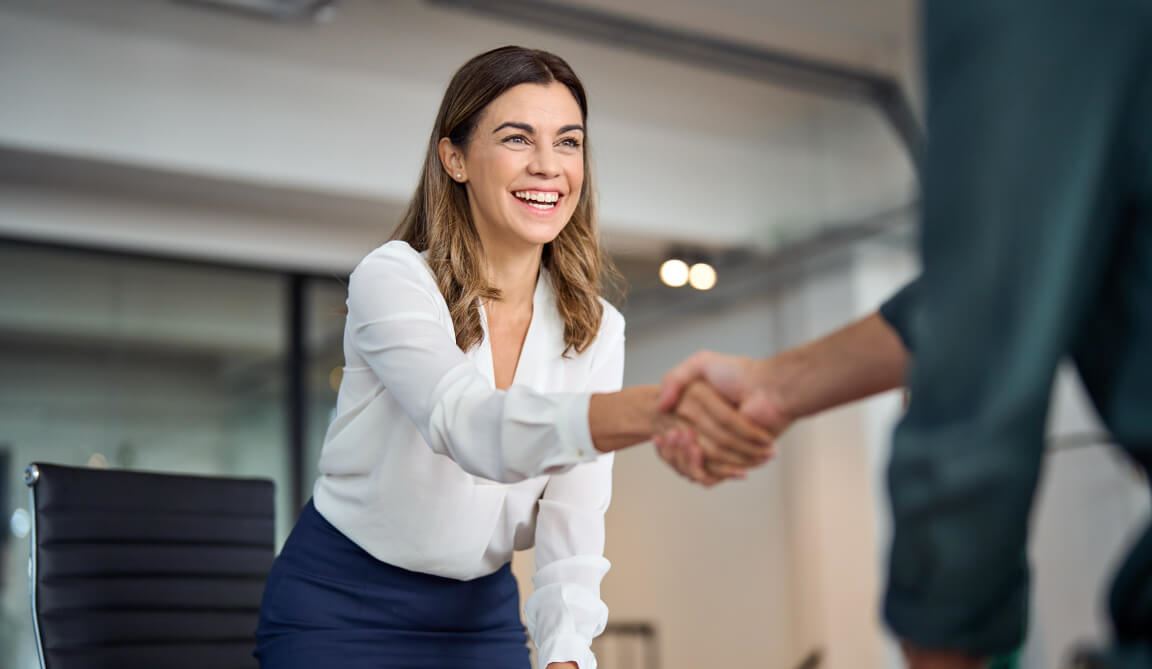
x=702 y=276
x=674 y=272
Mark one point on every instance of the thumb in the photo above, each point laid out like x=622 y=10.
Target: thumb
x=676 y=380
x=728 y=376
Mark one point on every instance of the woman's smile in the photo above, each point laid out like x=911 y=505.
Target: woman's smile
x=539 y=202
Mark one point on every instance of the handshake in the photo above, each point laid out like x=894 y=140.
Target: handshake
x=717 y=416
x=720 y=416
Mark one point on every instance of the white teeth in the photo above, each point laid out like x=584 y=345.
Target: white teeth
x=535 y=196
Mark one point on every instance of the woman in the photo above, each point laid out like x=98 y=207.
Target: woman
x=481 y=387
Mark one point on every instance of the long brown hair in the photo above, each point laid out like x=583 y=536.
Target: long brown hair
x=439 y=220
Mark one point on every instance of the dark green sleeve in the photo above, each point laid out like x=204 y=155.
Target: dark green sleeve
x=899 y=312
x=1022 y=198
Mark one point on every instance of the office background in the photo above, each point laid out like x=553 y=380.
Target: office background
x=184 y=189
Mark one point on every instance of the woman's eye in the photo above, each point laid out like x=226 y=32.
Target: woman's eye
x=516 y=139
x=571 y=142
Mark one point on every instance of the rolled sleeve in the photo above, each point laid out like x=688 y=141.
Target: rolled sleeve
x=565 y=612
x=899 y=312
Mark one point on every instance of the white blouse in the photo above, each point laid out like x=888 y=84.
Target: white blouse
x=428 y=467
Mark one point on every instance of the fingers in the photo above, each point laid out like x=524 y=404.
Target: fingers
x=710 y=449
x=695 y=466
x=678 y=448
x=670 y=452
x=726 y=419
x=725 y=434
x=676 y=380
x=722 y=466
x=719 y=470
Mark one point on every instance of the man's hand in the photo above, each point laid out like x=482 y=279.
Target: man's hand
x=856 y=361
x=707 y=440
x=745 y=385
x=630 y=416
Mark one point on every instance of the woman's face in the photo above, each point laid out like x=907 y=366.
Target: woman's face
x=524 y=165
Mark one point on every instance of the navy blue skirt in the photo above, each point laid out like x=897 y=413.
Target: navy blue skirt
x=328 y=603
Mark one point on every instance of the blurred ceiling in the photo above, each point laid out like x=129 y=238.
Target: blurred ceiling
x=243 y=123
x=869 y=35
x=866 y=34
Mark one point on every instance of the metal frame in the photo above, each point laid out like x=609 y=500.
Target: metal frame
x=295 y=359
x=31 y=478
x=283 y=10
x=296 y=376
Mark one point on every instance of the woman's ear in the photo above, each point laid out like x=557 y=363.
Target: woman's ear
x=452 y=160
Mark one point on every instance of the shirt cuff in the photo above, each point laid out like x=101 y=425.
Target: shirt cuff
x=566 y=613
x=566 y=648
x=542 y=433
x=575 y=432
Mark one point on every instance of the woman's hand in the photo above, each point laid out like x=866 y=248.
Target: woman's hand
x=707 y=439
x=562 y=665
x=731 y=441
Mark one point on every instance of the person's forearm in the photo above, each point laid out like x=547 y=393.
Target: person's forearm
x=624 y=418
x=856 y=361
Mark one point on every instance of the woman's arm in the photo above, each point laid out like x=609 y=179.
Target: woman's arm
x=395 y=323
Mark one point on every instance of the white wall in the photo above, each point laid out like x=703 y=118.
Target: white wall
x=709 y=567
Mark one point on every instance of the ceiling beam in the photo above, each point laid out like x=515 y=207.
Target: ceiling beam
x=773 y=66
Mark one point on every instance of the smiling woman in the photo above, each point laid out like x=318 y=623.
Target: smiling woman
x=495 y=162
x=479 y=401
x=535 y=162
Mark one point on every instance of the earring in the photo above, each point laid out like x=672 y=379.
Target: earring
x=459 y=176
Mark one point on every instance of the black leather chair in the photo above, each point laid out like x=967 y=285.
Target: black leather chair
x=133 y=570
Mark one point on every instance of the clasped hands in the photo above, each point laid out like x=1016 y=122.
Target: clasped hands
x=721 y=417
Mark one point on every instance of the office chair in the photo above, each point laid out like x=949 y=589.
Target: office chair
x=134 y=570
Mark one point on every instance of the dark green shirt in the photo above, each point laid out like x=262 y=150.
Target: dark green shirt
x=1036 y=246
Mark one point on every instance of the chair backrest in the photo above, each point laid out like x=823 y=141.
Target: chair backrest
x=137 y=570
